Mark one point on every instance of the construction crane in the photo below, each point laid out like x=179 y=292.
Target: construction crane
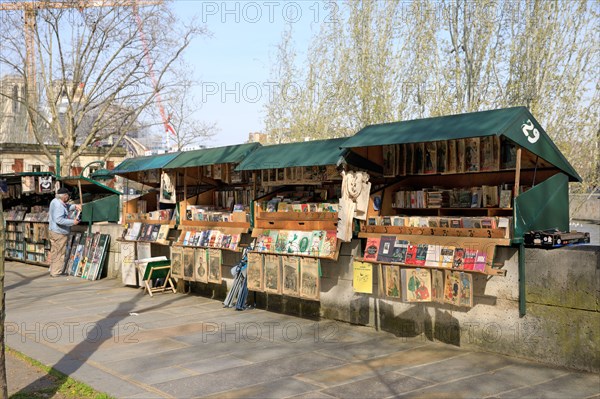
x=30 y=10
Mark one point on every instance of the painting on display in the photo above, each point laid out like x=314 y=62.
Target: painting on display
x=416 y=285
x=177 y=262
x=188 y=264
x=255 y=271
x=200 y=266
x=167 y=188
x=272 y=275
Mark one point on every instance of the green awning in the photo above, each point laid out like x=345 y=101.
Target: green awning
x=88 y=185
x=305 y=153
x=212 y=156
x=517 y=124
x=140 y=164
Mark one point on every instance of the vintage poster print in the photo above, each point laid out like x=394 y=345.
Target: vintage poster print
x=416 y=285
x=437 y=286
x=188 y=264
x=309 y=278
x=391 y=276
x=214 y=266
x=167 y=188
x=200 y=266
x=272 y=275
x=255 y=271
x=291 y=277
x=177 y=262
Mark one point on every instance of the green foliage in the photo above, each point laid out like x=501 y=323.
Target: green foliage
x=383 y=61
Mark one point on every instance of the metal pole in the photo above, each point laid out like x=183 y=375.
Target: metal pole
x=522 y=285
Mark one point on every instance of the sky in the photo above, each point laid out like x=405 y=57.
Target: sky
x=233 y=65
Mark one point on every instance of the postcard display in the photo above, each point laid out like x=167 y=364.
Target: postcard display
x=294 y=230
x=439 y=224
x=212 y=221
x=27 y=237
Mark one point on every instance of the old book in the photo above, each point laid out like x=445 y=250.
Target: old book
x=459 y=258
x=316 y=240
x=177 y=262
x=432 y=257
x=452 y=285
x=416 y=254
x=329 y=243
x=416 y=285
x=214 y=265
x=188 y=264
x=372 y=249
x=469 y=259
x=505 y=199
x=399 y=251
x=386 y=247
x=447 y=257
x=480 y=261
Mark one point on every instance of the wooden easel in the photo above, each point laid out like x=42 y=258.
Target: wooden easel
x=155 y=270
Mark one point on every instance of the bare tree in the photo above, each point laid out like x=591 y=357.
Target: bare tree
x=183 y=114
x=3 y=382
x=98 y=72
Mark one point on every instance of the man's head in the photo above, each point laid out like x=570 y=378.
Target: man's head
x=63 y=194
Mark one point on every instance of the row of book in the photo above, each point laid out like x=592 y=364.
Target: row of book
x=138 y=231
x=317 y=243
x=211 y=214
x=449 y=156
x=15 y=214
x=210 y=239
x=276 y=205
x=163 y=214
x=474 y=197
x=452 y=222
x=423 y=285
x=389 y=249
x=37 y=216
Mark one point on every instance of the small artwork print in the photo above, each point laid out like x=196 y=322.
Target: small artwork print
x=452 y=287
x=430 y=161
x=188 y=264
x=416 y=285
x=167 y=188
x=437 y=286
x=272 y=275
x=389 y=160
x=392 y=281
x=466 y=290
x=291 y=277
x=309 y=278
x=460 y=156
x=451 y=157
x=177 y=262
x=200 y=266
x=45 y=184
x=255 y=271
x=214 y=266
x=472 y=154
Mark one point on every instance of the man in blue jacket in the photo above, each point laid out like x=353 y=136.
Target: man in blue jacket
x=60 y=227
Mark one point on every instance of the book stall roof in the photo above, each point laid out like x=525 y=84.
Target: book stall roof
x=15 y=178
x=88 y=185
x=141 y=164
x=304 y=153
x=212 y=156
x=517 y=124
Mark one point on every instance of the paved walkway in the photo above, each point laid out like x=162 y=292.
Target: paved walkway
x=129 y=345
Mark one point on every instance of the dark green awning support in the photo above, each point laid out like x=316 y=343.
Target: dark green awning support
x=545 y=206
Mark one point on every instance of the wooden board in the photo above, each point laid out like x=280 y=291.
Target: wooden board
x=436 y=231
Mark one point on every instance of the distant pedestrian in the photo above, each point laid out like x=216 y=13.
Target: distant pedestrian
x=60 y=227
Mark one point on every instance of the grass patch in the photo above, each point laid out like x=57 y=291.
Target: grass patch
x=64 y=386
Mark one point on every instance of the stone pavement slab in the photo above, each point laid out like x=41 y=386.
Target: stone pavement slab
x=130 y=345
